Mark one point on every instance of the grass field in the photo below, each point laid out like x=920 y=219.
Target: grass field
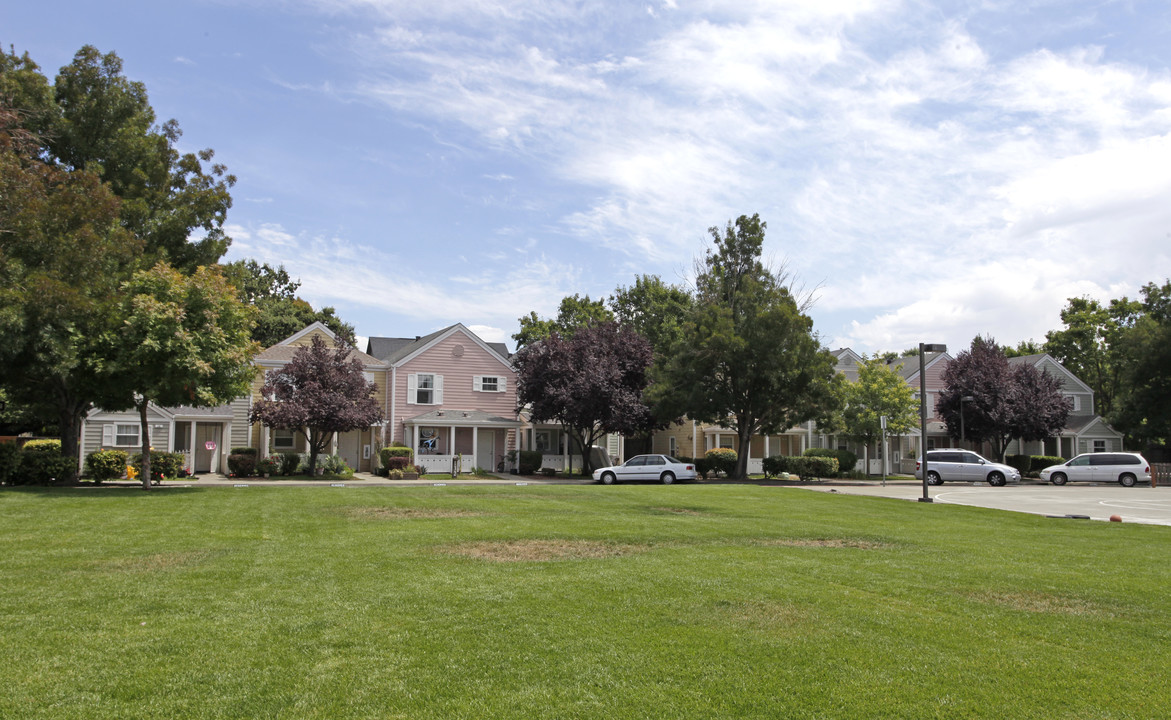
x=689 y=601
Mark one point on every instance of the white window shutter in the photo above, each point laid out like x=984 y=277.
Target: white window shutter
x=500 y=384
x=108 y=435
x=412 y=389
x=437 y=394
x=478 y=383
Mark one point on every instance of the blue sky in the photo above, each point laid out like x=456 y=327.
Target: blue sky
x=930 y=170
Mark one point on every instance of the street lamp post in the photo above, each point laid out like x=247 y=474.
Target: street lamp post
x=963 y=435
x=923 y=350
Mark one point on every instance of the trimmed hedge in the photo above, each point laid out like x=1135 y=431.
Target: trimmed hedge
x=804 y=467
x=41 y=463
x=386 y=454
x=241 y=465
x=245 y=451
x=847 y=460
x=105 y=465
x=1021 y=463
x=10 y=459
x=721 y=460
x=1040 y=462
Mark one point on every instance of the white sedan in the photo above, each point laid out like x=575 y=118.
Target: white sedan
x=663 y=468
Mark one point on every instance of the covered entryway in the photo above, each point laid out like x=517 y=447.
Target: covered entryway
x=208 y=446
x=460 y=439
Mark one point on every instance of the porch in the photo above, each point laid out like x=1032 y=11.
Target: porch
x=461 y=440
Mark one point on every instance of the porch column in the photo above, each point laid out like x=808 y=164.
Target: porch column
x=264 y=439
x=476 y=447
x=622 y=447
x=694 y=441
x=191 y=446
x=333 y=444
x=415 y=441
x=451 y=443
x=564 y=436
x=766 y=450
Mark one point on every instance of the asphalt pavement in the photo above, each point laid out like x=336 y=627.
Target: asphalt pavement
x=1098 y=501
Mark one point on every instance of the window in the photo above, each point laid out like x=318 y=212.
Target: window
x=283 y=439
x=424 y=389
x=673 y=444
x=544 y=441
x=1099 y=446
x=488 y=383
x=126 y=435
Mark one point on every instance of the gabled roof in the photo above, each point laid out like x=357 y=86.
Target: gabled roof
x=910 y=365
x=283 y=351
x=1037 y=359
x=395 y=351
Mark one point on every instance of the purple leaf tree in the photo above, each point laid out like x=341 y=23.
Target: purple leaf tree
x=1008 y=401
x=321 y=391
x=592 y=383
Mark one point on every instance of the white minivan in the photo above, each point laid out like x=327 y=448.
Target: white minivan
x=1125 y=468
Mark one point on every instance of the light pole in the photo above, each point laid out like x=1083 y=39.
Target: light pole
x=923 y=350
x=963 y=435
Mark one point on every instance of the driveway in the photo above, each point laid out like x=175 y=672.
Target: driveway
x=1140 y=504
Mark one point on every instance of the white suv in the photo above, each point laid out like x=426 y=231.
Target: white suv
x=1125 y=468
x=964 y=466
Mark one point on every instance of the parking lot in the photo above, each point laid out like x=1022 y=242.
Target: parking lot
x=1140 y=504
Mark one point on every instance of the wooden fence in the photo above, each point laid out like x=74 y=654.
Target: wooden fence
x=1160 y=474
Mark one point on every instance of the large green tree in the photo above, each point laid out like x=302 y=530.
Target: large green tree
x=748 y=358
x=1090 y=345
x=880 y=391
x=94 y=189
x=574 y=312
x=279 y=312
x=183 y=340
x=63 y=254
x=1142 y=410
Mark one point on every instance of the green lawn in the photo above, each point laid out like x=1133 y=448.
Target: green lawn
x=689 y=601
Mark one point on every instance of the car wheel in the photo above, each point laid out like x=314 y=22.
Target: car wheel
x=996 y=479
x=667 y=478
x=1058 y=479
x=933 y=478
x=1127 y=480
x=608 y=478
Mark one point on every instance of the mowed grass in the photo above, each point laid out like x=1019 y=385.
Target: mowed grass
x=689 y=601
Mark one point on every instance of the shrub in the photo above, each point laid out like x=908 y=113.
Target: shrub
x=398 y=462
x=722 y=460
x=245 y=451
x=1040 y=462
x=41 y=463
x=290 y=463
x=105 y=465
x=703 y=467
x=162 y=464
x=334 y=465
x=548 y=472
x=847 y=460
x=267 y=466
x=420 y=470
x=242 y=464
x=775 y=465
x=394 y=451
x=1021 y=463
x=9 y=462
x=807 y=467
x=530 y=460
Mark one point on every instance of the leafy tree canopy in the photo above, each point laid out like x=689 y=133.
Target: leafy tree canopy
x=749 y=358
x=879 y=391
x=280 y=312
x=1141 y=408
x=183 y=340
x=653 y=309
x=1090 y=345
x=318 y=393
x=574 y=313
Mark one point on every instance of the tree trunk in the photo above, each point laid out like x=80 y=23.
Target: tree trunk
x=69 y=414
x=145 y=446
x=742 y=458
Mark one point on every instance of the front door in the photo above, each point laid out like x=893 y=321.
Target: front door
x=486 y=449
x=349 y=447
x=206 y=459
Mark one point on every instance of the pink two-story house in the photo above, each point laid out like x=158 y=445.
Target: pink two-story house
x=450 y=396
